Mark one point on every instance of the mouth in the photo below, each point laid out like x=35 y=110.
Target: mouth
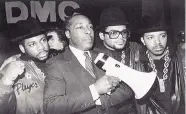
x=121 y=42
x=158 y=49
x=88 y=41
x=51 y=45
x=43 y=55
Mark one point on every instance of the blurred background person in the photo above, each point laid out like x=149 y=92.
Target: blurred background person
x=181 y=46
x=181 y=58
x=57 y=41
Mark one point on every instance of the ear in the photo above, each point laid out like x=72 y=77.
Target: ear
x=67 y=34
x=22 y=48
x=101 y=36
x=142 y=40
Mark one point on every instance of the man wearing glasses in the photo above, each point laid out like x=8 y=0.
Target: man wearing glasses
x=114 y=34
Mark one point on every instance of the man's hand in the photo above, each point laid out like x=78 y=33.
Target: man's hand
x=11 y=71
x=10 y=59
x=106 y=84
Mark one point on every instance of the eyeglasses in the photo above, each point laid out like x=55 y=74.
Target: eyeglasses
x=114 y=34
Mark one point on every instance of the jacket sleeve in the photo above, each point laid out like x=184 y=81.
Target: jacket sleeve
x=121 y=94
x=56 y=100
x=7 y=99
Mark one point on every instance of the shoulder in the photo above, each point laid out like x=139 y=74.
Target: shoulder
x=55 y=63
x=59 y=57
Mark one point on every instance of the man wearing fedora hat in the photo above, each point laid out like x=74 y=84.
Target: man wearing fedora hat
x=24 y=74
x=114 y=35
x=161 y=57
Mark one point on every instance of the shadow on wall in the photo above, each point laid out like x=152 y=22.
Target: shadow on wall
x=7 y=49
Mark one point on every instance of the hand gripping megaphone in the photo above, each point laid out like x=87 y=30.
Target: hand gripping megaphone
x=140 y=82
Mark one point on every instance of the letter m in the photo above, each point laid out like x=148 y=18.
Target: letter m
x=43 y=12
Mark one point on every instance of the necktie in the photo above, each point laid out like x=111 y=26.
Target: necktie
x=88 y=64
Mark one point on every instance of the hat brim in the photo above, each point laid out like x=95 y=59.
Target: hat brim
x=114 y=24
x=152 y=30
x=27 y=36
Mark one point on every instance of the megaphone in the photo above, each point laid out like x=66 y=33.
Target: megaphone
x=140 y=82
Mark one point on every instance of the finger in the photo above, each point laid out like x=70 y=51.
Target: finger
x=113 y=80
x=113 y=88
x=109 y=91
x=19 y=64
x=21 y=71
x=107 y=81
x=114 y=84
x=22 y=68
x=10 y=60
x=116 y=81
x=110 y=81
x=18 y=55
x=113 y=77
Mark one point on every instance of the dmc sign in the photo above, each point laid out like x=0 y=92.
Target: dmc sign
x=48 y=10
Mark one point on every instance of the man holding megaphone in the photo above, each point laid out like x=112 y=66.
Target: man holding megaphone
x=73 y=84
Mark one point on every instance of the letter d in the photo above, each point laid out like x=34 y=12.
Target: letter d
x=21 y=6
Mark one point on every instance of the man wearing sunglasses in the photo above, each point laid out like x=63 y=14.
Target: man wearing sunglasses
x=114 y=35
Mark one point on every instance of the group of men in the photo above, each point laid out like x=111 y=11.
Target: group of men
x=70 y=83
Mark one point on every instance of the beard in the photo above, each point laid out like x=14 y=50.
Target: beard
x=158 y=54
x=40 y=55
x=158 y=50
x=126 y=45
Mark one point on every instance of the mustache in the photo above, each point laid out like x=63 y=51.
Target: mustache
x=44 y=51
x=91 y=35
x=158 y=46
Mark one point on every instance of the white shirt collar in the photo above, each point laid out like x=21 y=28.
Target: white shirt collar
x=79 y=55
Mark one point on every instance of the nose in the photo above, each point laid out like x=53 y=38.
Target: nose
x=40 y=46
x=157 y=40
x=121 y=37
x=88 y=30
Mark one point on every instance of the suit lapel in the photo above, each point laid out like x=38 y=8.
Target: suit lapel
x=98 y=72
x=79 y=72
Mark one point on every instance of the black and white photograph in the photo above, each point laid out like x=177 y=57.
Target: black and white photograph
x=92 y=57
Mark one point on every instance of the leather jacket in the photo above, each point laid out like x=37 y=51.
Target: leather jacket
x=151 y=104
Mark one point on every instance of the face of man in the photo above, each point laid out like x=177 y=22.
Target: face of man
x=80 y=33
x=54 y=42
x=155 y=42
x=36 y=47
x=114 y=44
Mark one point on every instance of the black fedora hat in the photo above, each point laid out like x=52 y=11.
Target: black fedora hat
x=112 y=16
x=25 y=29
x=152 y=25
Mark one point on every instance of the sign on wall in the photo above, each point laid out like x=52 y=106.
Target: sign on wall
x=48 y=10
